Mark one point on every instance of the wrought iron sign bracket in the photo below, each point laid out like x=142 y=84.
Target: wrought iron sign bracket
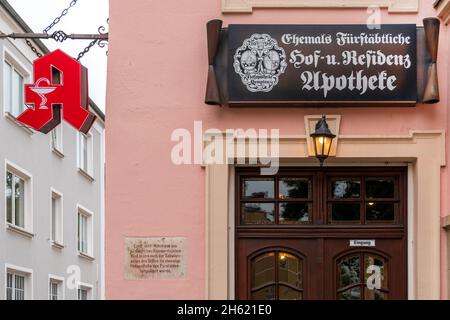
x=59 y=36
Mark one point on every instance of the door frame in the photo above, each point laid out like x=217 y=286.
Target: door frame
x=423 y=150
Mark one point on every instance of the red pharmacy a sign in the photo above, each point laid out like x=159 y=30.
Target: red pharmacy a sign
x=60 y=89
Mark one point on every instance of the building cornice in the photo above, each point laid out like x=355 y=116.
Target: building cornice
x=229 y=6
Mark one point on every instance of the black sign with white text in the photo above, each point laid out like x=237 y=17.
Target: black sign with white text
x=286 y=64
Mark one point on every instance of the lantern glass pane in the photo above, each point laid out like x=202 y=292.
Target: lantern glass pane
x=327 y=145
x=319 y=143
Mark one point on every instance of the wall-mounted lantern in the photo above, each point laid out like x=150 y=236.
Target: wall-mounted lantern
x=322 y=139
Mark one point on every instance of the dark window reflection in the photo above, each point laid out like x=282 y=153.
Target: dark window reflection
x=295 y=213
x=345 y=212
x=258 y=213
x=261 y=188
x=380 y=188
x=349 y=271
x=344 y=189
x=294 y=188
x=380 y=211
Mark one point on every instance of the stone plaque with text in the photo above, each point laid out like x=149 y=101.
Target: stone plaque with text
x=155 y=258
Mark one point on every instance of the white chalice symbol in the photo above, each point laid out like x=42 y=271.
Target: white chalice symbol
x=42 y=91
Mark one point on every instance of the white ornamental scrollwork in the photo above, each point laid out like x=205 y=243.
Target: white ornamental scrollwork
x=260 y=62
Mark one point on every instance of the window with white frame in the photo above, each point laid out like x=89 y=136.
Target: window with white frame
x=13 y=82
x=84 y=293
x=57 y=138
x=84 y=232
x=18 y=198
x=55 y=289
x=17 y=285
x=85 y=153
x=56 y=218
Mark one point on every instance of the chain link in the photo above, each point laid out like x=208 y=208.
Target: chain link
x=63 y=13
x=101 y=43
x=86 y=50
x=33 y=48
x=61 y=36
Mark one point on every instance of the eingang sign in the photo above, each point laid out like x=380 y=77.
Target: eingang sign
x=296 y=65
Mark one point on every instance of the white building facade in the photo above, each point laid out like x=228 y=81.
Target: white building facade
x=51 y=191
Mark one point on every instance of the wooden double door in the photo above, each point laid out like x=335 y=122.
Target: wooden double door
x=335 y=233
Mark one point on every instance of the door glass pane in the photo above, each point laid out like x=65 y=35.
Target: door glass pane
x=376 y=272
x=371 y=285
x=380 y=188
x=295 y=213
x=374 y=294
x=267 y=293
x=290 y=270
x=345 y=212
x=263 y=270
x=19 y=195
x=258 y=213
x=299 y=188
x=286 y=293
x=348 y=271
x=8 y=194
x=346 y=188
x=262 y=188
x=380 y=211
x=276 y=275
x=350 y=294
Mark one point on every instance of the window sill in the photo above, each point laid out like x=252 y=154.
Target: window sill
x=58 y=152
x=57 y=245
x=85 y=256
x=86 y=175
x=19 y=230
x=11 y=118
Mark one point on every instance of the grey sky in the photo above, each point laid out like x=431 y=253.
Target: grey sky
x=85 y=17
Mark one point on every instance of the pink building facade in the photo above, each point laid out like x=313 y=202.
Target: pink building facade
x=203 y=211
